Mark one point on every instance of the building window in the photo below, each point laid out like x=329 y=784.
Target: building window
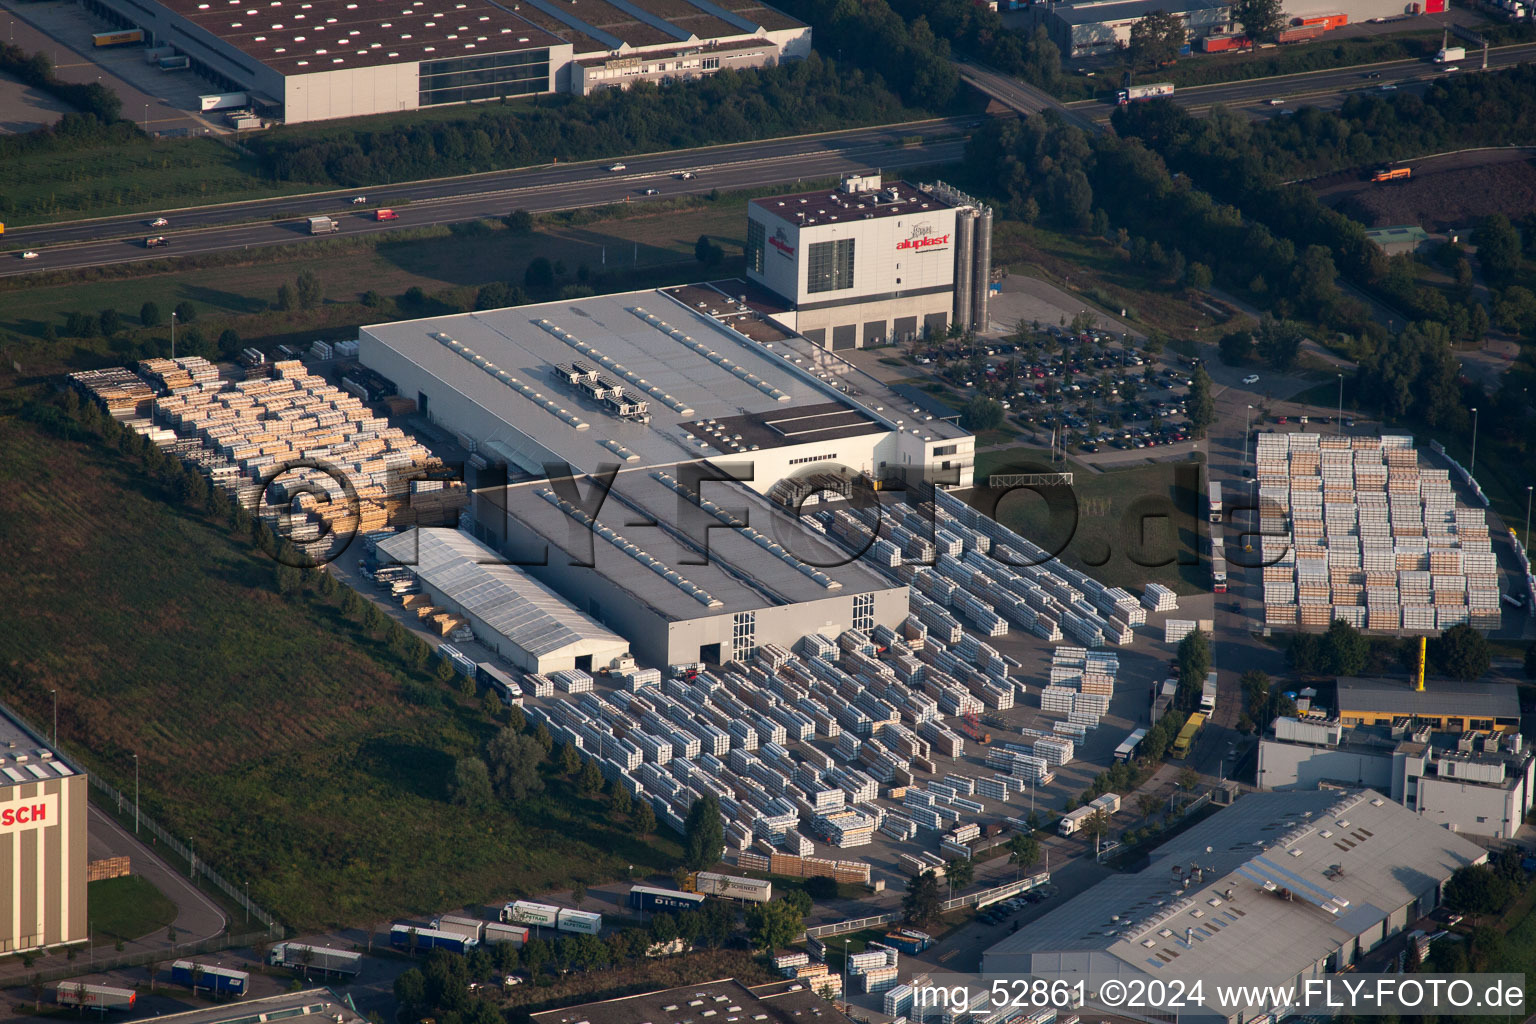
x=484 y=77
x=864 y=611
x=946 y=449
x=831 y=267
x=711 y=64
x=811 y=458
x=743 y=635
x=757 y=241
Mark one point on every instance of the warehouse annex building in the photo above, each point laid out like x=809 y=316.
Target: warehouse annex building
x=1446 y=704
x=1277 y=888
x=309 y=60
x=509 y=611
x=869 y=262
x=666 y=395
x=42 y=842
x=1475 y=783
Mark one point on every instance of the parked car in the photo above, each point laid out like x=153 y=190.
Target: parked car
x=1252 y=378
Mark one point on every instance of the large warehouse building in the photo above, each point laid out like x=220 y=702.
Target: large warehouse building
x=1277 y=888
x=1480 y=784
x=309 y=60
x=869 y=263
x=42 y=842
x=667 y=386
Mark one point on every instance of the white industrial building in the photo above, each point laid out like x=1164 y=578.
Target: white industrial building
x=1480 y=784
x=665 y=388
x=310 y=60
x=42 y=842
x=1276 y=889
x=869 y=263
x=509 y=611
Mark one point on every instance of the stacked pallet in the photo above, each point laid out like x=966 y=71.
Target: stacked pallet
x=120 y=391
x=1159 y=598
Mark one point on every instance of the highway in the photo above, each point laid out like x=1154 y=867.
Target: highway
x=1316 y=88
x=281 y=221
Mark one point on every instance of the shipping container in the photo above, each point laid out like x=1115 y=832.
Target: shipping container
x=218 y=980
x=100 y=997
x=315 y=958
x=496 y=933
x=223 y=101
x=643 y=897
x=411 y=938
x=579 y=921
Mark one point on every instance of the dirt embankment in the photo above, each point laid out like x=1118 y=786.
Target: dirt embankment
x=1439 y=197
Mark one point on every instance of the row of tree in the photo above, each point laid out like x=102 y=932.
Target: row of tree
x=1460 y=652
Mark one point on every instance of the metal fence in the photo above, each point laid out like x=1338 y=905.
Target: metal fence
x=86 y=962
x=857 y=924
x=979 y=898
x=195 y=865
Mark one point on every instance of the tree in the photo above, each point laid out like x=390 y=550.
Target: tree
x=578 y=894
x=1236 y=347
x=514 y=764
x=1023 y=850
x=229 y=342
x=288 y=580
x=1254 y=684
x=309 y=290
x=1148 y=804
x=1477 y=889
x=1194 y=662
x=1344 y=651
x=921 y=902
x=1261 y=19
x=1096 y=827
x=981 y=414
x=444 y=670
x=774 y=925
x=109 y=322
x=960 y=872
x=1461 y=652
x=1201 y=406
x=1498 y=249
x=1156 y=39
x=1188 y=779
x=1197 y=276
x=540 y=275
x=285 y=297
x=703 y=835
x=471 y=785
x=619 y=800
x=590 y=782
x=820 y=887
x=645 y=818
x=570 y=759
x=519 y=222
x=1279 y=342
x=186 y=312
x=149 y=315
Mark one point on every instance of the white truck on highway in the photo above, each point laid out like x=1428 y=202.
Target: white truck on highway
x=1134 y=93
x=1450 y=53
x=323 y=226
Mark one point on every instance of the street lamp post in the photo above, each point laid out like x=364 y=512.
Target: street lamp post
x=1527 y=520
x=1247 y=428
x=173 y=334
x=55 y=693
x=135 y=794
x=1340 y=419
x=1472 y=466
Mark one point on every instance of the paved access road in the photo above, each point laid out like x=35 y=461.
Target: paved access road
x=1318 y=88
x=446 y=200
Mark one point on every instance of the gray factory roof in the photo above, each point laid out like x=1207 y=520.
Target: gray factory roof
x=288 y=1006
x=658 y=546
x=1284 y=880
x=685 y=365
x=1440 y=697
x=724 y=1000
x=832 y=205
x=1113 y=11
x=308 y=36
x=27 y=758
x=504 y=597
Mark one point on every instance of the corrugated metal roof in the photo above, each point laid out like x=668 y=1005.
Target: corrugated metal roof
x=1440 y=697
x=503 y=596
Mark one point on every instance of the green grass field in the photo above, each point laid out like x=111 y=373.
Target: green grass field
x=1100 y=528
x=279 y=737
x=127 y=908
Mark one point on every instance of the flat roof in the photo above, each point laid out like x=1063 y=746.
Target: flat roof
x=722 y=300
x=600 y=28
x=681 y=51
x=800 y=424
x=504 y=597
x=309 y=1002
x=833 y=205
x=309 y=36
x=1441 y=697
x=1285 y=879
x=27 y=758
x=686 y=365
x=1131 y=10
x=649 y=543
x=727 y=998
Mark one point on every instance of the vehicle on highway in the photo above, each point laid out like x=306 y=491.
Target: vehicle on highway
x=687 y=176
x=1373 y=74
x=1282 y=419
x=155 y=242
x=1138 y=93
x=29 y=255
x=1389 y=88
x=651 y=192
x=618 y=167
x=1252 y=378
x=159 y=222
x=1448 y=70
x=1277 y=103
x=359 y=201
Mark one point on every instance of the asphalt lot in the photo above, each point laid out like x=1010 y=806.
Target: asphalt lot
x=25 y=108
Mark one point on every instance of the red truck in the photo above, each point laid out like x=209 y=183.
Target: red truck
x=385 y=215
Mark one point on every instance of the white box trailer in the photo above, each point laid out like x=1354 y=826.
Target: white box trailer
x=100 y=997
x=579 y=921
x=1074 y=820
x=468 y=927
x=513 y=933
x=753 y=890
x=524 y=912
x=302 y=957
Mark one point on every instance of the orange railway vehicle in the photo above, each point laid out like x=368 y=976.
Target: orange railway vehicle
x=1392 y=174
